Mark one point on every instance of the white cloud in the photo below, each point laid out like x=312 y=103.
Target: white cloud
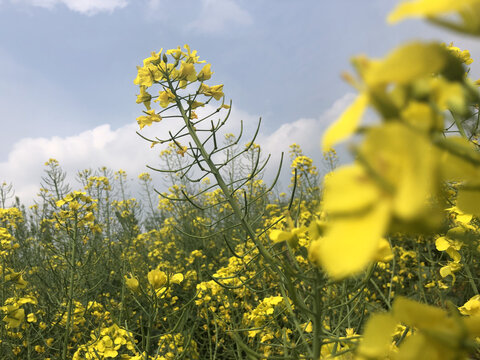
x=305 y=132
x=123 y=149
x=88 y=7
x=216 y=15
x=117 y=149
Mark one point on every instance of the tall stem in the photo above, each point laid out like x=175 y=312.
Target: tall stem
x=223 y=186
x=70 y=291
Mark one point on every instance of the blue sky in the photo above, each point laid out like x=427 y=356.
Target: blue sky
x=67 y=70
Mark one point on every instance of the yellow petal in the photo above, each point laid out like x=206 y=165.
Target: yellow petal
x=377 y=336
x=442 y=244
x=454 y=254
x=469 y=201
x=420 y=347
x=471 y=307
x=422 y=116
x=349 y=189
x=279 y=235
x=427 y=8
x=418 y=315
x=384 y=252
x=454 y=163
x=472 y=323
x=407 y=63
x=448 y=95
x=346 y=124
x=464 y=218
x=412 y=178
x=447 y=271
x=177 y=278
x=351 y=242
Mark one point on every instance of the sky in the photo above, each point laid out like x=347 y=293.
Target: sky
x=67 y=70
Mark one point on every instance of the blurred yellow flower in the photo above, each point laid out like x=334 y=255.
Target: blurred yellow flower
x=15 y=315
x=157 y=278
x=177 y=278
x=471 y=307
x=131 y=283
x=436 y=10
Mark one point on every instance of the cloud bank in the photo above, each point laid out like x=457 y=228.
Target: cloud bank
x=87 y=7
x=123 y=149
x=212 y=17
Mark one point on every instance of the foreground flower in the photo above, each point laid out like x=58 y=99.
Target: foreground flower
x=468 y=11
x=437 y=334
x=397 y=183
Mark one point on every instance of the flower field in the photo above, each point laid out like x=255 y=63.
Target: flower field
x=378 y=259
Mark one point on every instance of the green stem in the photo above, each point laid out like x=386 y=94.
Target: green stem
x=470 y=279
x=70 y=292
x=318 y=319
x=223 y=186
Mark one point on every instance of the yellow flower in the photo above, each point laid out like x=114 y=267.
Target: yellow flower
x=346 y=125
x=362 y=201
x=147 y=120
x=309 y=327
x=27 y=300
x=144 y=97
x=428 y=8
x=191 y=56
x=205 y=73
x=450 y=246
x=147 y=75
x=131 y=283
x=175 y=53
x=157 y=278
x=471 y=307
x=450 y=269
x=195 y=104
x=215 y=91
x=15 y=315
x=153 y=59
x=438 y=336
x=463 y=55
x=469 y=11
x=384 y=252
x=358 y=220
x=376 y=338
x=187 y=72
x=177 y=278
x=31 y=317
x=145 y=176
x=182 y=150
x=165 y=97
x=17 y=278
x=291 y=236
